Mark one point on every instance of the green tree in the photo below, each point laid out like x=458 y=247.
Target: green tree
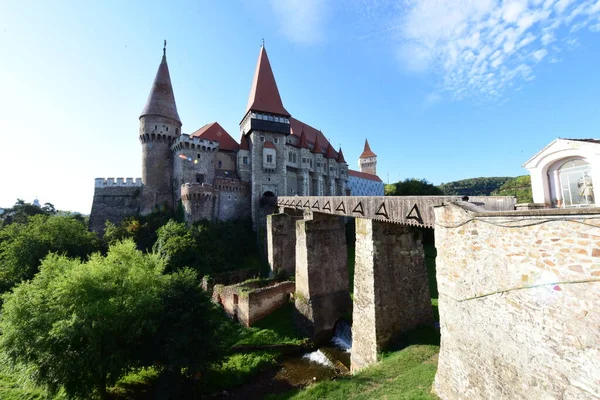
x=474 y=186
x=24 y=245
x=520 y=187
x=21 y=211
x=412 y=187
x=83 y=325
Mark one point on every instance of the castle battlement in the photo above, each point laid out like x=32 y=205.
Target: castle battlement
x=122 y=182
x=196 y=191
x=232 y=185
x=186 y=141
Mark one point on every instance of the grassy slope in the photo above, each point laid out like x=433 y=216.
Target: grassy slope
x=404 y=374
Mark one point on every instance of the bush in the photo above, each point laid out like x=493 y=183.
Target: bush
x=82 y=325
x=23 y=246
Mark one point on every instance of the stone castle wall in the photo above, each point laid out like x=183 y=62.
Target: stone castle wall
x=198 y=200
x=519 y=303
x=114 y=200
x=234 y=199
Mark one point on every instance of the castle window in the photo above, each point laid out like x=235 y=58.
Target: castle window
x=294 y=157
x=311 y=162
x=290 y=158
x=275 y=140
x=262 y=138
x=199 y=178
x=198 y=155
x=245 y=160
x=155 y=126
x=167 y=128
x=269 y=158
x=303 y=160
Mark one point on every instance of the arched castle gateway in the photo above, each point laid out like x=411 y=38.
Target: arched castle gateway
x=217 y=178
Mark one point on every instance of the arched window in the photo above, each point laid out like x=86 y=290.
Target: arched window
x=573 y=184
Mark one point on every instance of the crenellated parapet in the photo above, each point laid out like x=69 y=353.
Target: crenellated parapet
x=232 y=185
x=197 y=191
x=186 y=141
x=122 y=182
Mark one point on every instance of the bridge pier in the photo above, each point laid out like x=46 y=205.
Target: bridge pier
x=322 y=284
x=391 y=291
x=281 y=241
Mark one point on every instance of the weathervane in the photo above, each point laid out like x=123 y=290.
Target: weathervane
x=165 y=48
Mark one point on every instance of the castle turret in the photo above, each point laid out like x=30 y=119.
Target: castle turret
x=160 y=126
x=243 y=160
x=342 y=181
x=319 y=167
x=306 y=164
x=266 y=124
x=367 y=161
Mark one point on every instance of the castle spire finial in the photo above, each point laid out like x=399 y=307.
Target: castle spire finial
x=165 y=48
x=263 y=42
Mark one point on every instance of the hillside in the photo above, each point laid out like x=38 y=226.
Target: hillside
x=520 y=187
x=474 y=186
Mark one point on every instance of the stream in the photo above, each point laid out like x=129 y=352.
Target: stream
x=330 y=361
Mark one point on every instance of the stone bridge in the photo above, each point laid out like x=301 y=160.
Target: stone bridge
x=306 y=239
x=519 y=290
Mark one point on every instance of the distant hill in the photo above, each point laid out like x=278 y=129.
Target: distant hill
x=474 y=186
x=520 y=187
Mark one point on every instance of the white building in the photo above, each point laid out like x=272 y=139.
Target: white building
x=566 y=173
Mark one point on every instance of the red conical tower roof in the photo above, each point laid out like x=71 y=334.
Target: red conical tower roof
x=340 y=157
x=161 y=100
x=303 y=142
x=264 y=95
x=330 y=152
x=367 y=151
x=317 y=147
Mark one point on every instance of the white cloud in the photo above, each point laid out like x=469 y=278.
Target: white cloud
x=486 y=46
x=547 y=38
x=539 y=54
x=302 y=21
x=432 y=98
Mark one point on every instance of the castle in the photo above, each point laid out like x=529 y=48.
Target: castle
x=212 y=176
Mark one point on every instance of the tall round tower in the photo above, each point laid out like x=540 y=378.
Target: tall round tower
x=367 y=161
x=159 y=127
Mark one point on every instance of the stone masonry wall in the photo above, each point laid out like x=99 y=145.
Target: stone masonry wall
x=248 y=302
x=519 y=303
x=114 y=203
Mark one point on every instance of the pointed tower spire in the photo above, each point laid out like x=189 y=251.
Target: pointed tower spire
x=330 y=152
x=161 y=100
x=367 y=151
x=303 y=142
x=264 y=95
x=317 y=147
x=340 y=157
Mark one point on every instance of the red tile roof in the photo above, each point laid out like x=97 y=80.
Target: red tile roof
x=161 y=100
x=330 y=152
x=264 y=95
x=297 y=127
x=340 y=157
x=269 y=145
x=317 y=146
x=367 y=151
x=364 y=175
x=303 y=144
x=216 y=133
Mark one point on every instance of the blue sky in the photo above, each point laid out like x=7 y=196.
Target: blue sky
x=443 y=89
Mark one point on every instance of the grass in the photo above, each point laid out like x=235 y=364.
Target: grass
x=15 y=384
x=404 y=374
x=275 y=328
